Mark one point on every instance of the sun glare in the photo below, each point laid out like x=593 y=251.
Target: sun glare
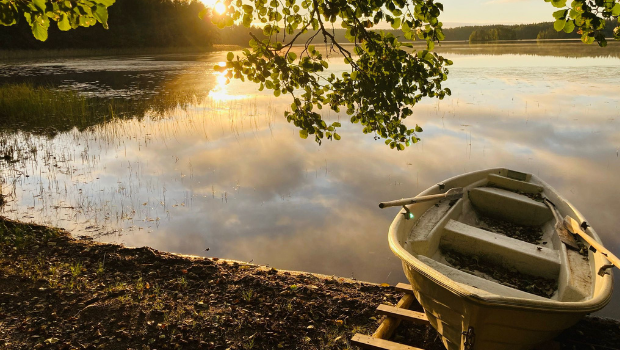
x=220 y=8
x=216 y=5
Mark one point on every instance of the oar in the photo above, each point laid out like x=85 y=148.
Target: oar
x=573 y=226
x=453 y=193
x=564 y=235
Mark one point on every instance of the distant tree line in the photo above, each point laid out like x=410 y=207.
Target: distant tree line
x=493 y=34
x=542 y=30
x=472 y=34
x=132 y=23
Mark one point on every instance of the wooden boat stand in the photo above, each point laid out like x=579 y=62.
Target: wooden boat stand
x=395 y=315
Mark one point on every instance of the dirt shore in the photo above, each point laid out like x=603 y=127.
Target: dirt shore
x=57 y=292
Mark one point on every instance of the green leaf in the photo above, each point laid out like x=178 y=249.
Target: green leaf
x=303 y=134
x=63 y=23
x=559 y=24
x=39 y=4
x=558 y=3
x=573 y=14
x=569 y=26
x=396 y=23
x=615 y=11
x=561 y=14
x=101 y=14
x=230 y=56
x=39 y=26
x=336 y=136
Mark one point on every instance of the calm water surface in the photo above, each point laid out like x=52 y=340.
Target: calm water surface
x=230 y=175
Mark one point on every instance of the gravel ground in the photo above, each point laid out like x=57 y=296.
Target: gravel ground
x=57 y=292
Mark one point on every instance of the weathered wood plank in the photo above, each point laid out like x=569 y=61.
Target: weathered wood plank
x=405 y=288
x=402 y=314
x=388 y=326
x=368 y=342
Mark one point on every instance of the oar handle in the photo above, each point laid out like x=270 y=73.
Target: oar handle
x=407 y=201
x=453 y=193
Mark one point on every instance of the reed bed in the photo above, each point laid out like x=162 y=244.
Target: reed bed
x=46 y=110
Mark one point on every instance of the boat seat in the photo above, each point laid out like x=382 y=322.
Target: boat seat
x=475 y=284
x=509 y=206
x=509 y=252
x=514 y=185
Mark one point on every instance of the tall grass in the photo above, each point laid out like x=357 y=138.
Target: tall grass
x=48 y=110
x=22 y=104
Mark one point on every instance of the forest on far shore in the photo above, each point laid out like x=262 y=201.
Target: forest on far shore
x=134 y=24
x=175 y=23
x=540 y=31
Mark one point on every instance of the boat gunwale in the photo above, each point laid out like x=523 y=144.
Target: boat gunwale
x=497 y=301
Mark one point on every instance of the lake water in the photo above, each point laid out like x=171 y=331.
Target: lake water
x=227 y=176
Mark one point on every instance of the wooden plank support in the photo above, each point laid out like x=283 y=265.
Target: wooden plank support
x=404 y=288
x=368 y=342
x=403 y=314
x=388 y=326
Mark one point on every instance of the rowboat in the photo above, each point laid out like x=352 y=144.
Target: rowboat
x=491 y=269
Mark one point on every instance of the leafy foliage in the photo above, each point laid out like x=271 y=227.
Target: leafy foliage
x=587 y=17
x=68 y=14
x=387 y=76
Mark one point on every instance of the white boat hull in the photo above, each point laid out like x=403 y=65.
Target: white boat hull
x=472 y=319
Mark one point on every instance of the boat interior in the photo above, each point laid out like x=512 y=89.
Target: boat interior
x=500 y=239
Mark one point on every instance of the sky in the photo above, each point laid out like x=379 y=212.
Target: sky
x=472 y=12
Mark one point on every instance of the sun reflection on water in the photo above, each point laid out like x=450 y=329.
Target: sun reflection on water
x=221 y=91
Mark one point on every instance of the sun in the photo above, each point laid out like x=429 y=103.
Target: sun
x=220 y=8
x=216 y=5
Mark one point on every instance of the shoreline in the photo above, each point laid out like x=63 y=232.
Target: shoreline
x=60 y=292
x=9 y=55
